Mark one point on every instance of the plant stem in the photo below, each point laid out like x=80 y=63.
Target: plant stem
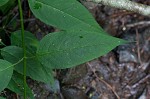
x=24 y=49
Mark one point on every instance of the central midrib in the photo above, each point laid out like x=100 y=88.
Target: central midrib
x=65 y=50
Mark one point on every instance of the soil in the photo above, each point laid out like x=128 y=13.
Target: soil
x=124 y=73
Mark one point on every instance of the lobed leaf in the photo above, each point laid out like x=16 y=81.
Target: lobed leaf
x=66 y=49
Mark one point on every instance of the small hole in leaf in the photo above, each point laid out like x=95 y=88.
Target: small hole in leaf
x=37 y=6
x=81 y=36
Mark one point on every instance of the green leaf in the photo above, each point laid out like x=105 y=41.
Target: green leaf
x=16 y=85
x=30 y=39
x=70 y=48
x=6 y=71
x=2 y=2
x=35 y=69
x=64 y=14
x=2 y=98
x=7 y=6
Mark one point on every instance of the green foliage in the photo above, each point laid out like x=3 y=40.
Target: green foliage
x=6 y=71
x=7 y=5
x=31 y=41
x=70 y=48
x=79 y=40
x=16 y=85
x=35 y=69
x=64 y=14
x=2 y=98
x=2 y=2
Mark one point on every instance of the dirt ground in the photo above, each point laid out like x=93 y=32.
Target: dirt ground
x=124 y=73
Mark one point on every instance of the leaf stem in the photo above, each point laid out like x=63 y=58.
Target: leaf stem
x=18 y=62
x=24 y=49
x=12 y=65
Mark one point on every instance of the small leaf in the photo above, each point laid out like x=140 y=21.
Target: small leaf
x=35 y=69
x=3 y=2
x=6 y=71
x=64 y=14
x=16 y=85
x=70 y=48
x=30 y=39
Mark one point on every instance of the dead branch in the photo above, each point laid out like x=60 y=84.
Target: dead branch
x=127 y=5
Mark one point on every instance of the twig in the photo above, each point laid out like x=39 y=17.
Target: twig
x=138 y=47
x=109 y=86
x=121 y=13
x=138 y=23
x=28 y=20
x=141 y=81
x=127 y=5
